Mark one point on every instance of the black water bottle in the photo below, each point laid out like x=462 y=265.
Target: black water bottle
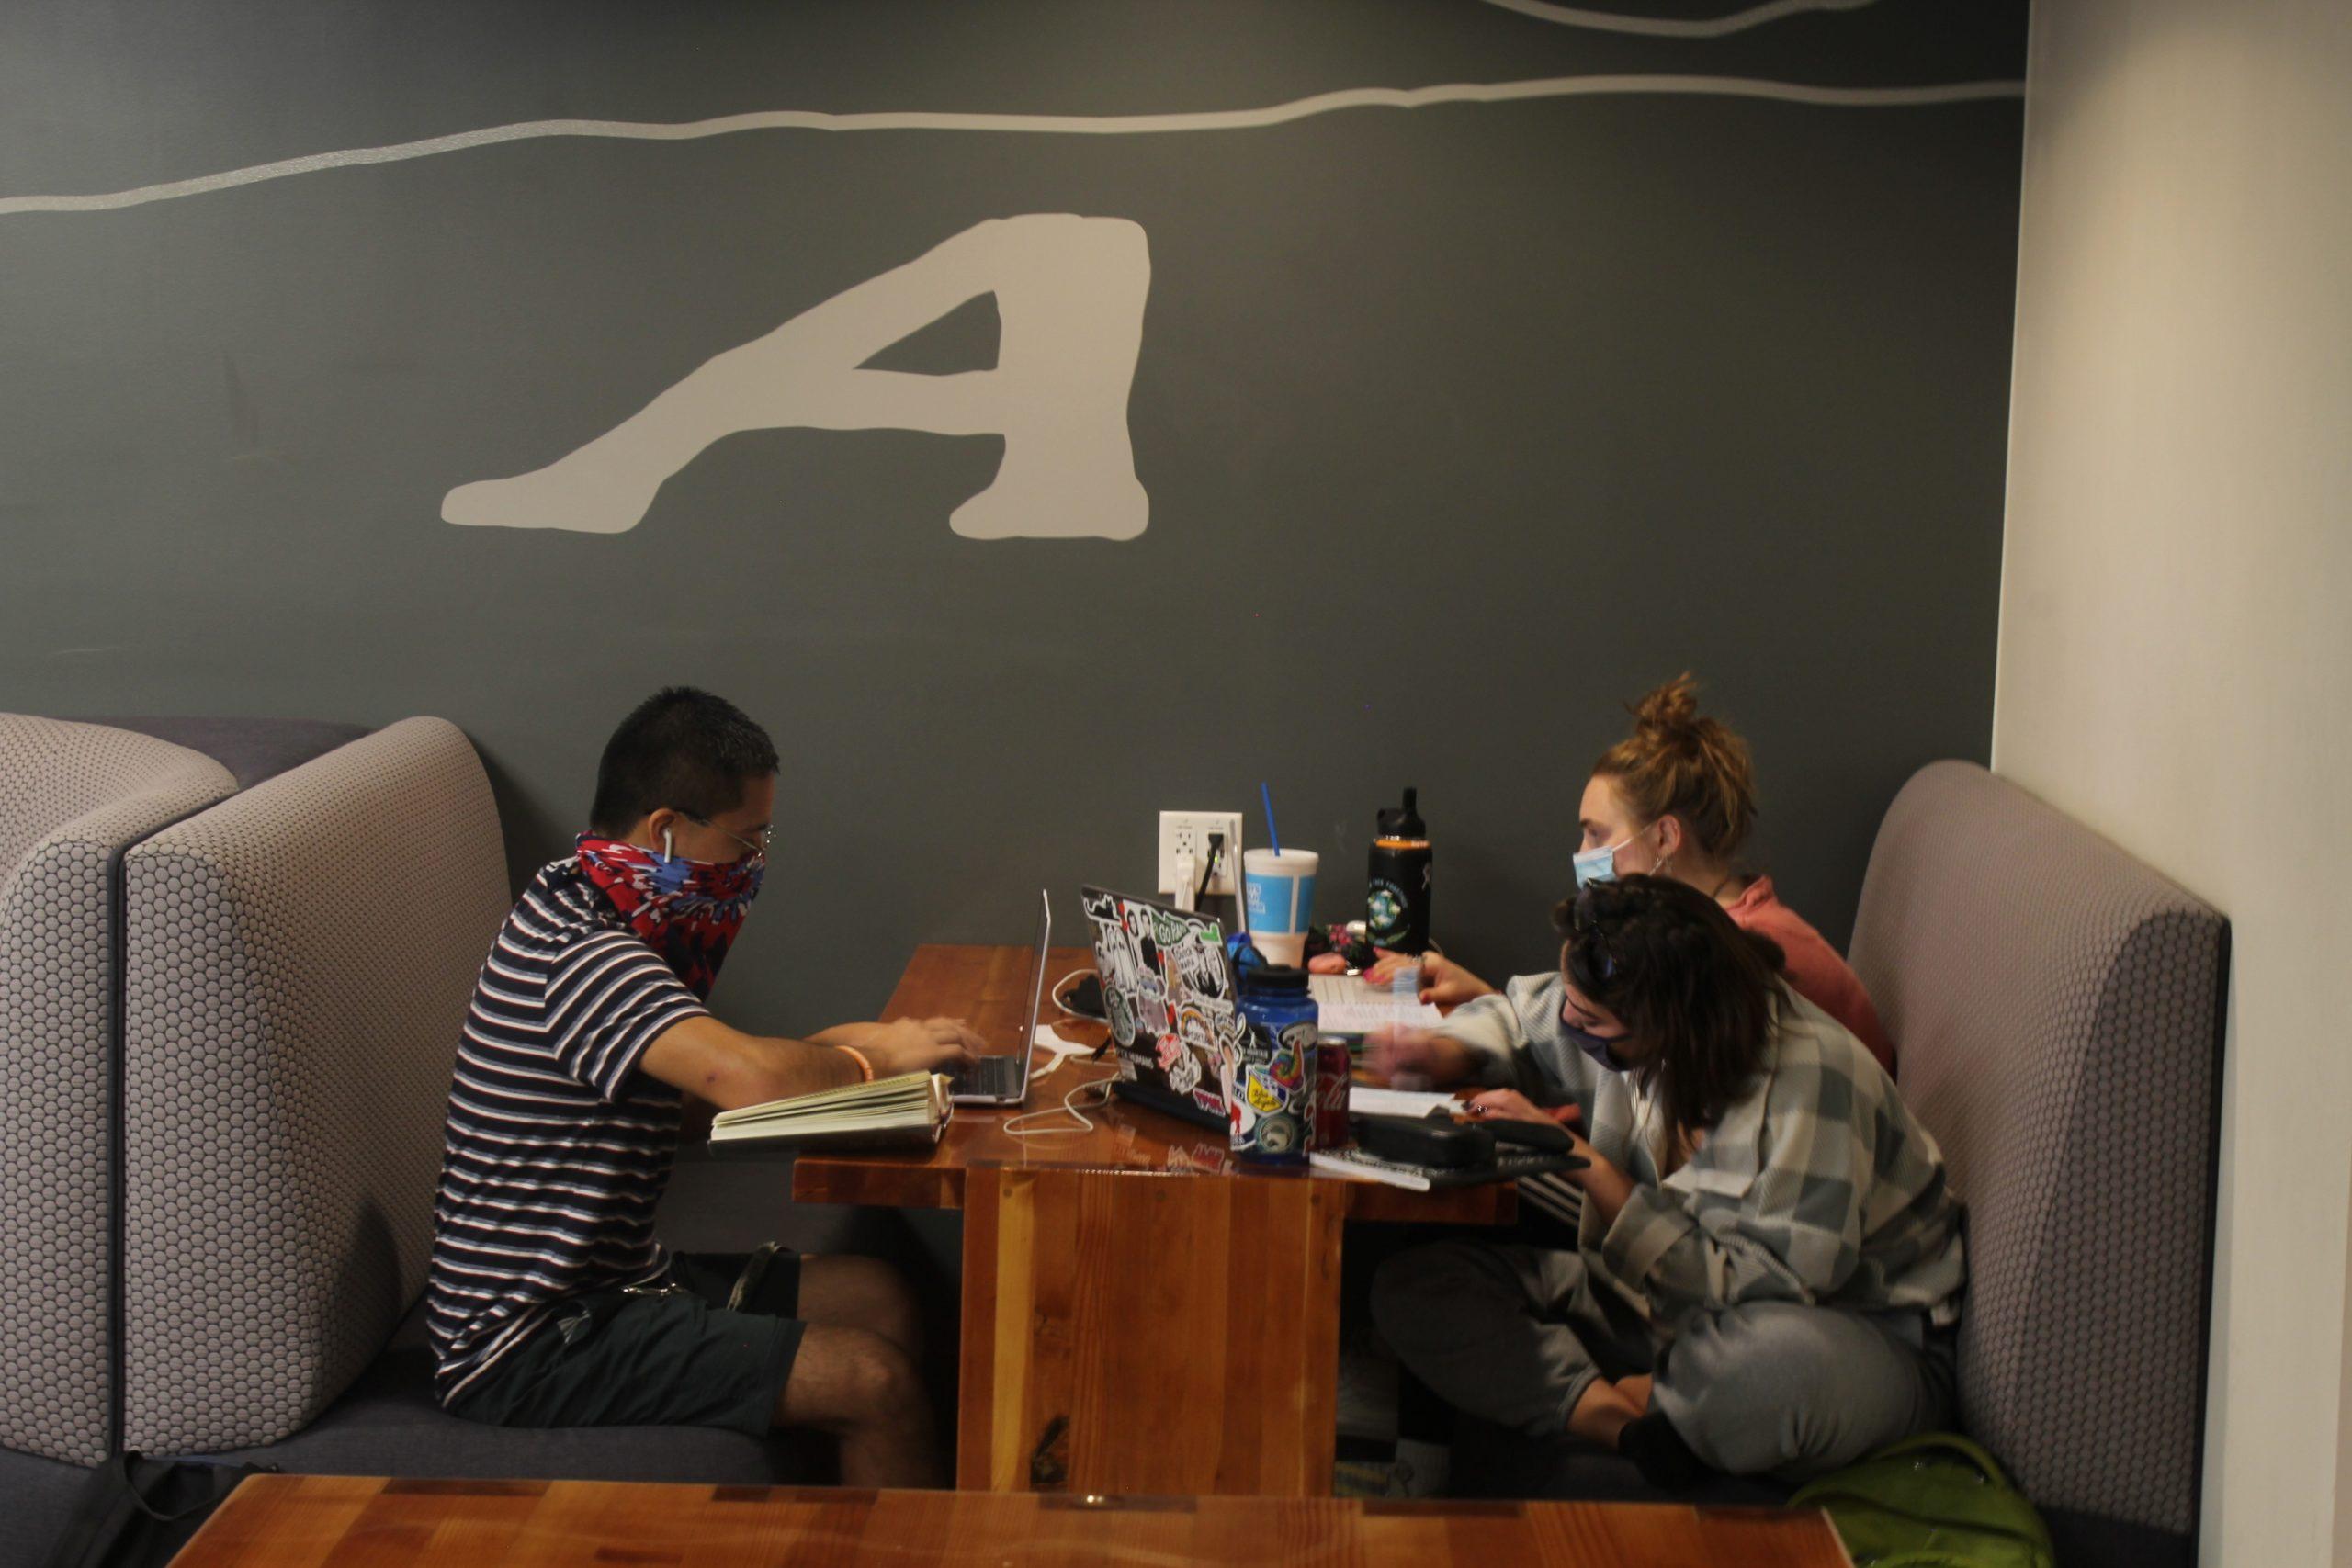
x=1397 y=896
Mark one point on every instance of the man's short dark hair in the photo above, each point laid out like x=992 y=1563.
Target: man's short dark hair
x=680 y=747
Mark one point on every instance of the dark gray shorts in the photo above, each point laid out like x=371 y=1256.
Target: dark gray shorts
x=670 y=1356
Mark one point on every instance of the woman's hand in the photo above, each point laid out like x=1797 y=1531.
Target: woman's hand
x=1510 y=1105
x=1444 y=983
x=1401 y=1056
x=1605 y=1185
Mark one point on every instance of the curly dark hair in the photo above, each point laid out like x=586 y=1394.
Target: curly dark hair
x=1687 y=983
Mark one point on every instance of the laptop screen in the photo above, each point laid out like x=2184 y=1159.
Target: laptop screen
x=1028 y=1040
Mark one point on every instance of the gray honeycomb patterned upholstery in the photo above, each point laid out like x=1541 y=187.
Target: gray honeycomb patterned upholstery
x=300 y=957
x=2058 y=1007
x=71 y=795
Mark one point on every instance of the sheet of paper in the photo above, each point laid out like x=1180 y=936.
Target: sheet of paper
x=1347 y=1004
x=1372 y=1101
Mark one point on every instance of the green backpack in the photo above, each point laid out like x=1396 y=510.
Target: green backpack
x=1933 y=1501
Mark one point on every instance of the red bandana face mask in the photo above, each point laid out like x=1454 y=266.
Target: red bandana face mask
x=688 y=910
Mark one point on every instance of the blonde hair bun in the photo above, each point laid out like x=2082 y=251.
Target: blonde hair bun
x=1681 y=762
x=1668 y=711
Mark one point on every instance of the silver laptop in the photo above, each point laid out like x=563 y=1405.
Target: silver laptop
x=1004 y=1080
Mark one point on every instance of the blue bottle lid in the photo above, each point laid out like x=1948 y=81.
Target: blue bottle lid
x=1256 y=975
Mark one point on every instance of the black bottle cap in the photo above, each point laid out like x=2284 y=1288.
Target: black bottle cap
x=1405 y=823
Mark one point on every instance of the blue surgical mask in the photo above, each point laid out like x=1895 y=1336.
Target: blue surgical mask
x=1595 y=1046
x=1600 y=865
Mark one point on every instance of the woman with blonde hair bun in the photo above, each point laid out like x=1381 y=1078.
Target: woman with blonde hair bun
x=1676 y=799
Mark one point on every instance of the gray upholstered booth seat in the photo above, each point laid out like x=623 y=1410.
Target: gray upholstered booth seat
x=293 y=964
x=251 y=749
x=298 y=962
x=387 y=1423
x=305 y=908
x=2057 y=1005
x=72 y=796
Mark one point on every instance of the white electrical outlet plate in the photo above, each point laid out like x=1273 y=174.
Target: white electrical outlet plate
x=1182 y=832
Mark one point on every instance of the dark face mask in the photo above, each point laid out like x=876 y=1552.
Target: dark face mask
x=1595 y=1046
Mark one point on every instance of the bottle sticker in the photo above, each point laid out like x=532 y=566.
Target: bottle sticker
x=1278 y=1134
x=1270 y=1079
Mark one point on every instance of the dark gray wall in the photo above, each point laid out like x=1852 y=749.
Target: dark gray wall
x=1460 y=425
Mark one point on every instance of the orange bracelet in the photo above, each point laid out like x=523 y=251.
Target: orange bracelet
x=865 y=1068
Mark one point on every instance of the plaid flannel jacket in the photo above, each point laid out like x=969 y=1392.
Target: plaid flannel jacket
x=1817 y=1185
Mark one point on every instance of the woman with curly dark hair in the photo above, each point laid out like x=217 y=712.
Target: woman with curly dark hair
x=1766 y=1268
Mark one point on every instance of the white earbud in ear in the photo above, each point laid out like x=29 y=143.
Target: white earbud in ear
x=665 y=844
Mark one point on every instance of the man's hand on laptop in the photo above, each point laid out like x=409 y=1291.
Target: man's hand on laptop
x=920 y=1045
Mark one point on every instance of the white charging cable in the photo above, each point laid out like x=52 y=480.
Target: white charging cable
x=1061 y=985
x=1068 y=1107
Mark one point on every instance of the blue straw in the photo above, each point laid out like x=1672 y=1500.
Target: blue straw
x=1268 y=797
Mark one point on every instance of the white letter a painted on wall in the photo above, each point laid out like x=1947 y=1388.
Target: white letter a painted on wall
x=1069 y=295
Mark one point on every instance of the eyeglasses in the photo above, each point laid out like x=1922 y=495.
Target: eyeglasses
x=764 y=835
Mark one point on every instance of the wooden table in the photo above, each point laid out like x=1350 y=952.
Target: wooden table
x=1139 y=1316
x=291 y=1521
x=990 y=986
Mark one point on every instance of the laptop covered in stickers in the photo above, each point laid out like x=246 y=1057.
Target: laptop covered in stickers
x=1167 y=987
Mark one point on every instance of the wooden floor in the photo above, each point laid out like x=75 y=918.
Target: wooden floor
x=285 y=1521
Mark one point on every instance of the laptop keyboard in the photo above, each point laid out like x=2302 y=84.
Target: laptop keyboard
x=996 y=1076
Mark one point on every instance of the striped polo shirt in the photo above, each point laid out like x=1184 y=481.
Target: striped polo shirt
x=557 y=1148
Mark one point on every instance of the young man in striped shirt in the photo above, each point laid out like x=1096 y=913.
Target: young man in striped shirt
x=550 y=1303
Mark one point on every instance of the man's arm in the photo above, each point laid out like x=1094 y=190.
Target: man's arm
x=731 y=1069
x=859 y=1036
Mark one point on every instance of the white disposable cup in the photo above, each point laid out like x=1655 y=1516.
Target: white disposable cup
x=1278 y=890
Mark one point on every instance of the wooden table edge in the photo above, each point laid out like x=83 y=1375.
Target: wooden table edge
x=262 y=1491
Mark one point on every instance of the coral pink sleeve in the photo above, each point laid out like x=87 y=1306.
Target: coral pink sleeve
x=1815 y=970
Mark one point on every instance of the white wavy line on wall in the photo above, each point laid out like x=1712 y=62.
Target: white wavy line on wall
x=1664 y=26
x=1059 y=125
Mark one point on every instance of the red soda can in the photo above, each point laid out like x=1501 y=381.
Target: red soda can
x=1332 y=1067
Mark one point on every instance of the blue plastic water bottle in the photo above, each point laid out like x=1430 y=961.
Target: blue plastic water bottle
x=1270 y=1082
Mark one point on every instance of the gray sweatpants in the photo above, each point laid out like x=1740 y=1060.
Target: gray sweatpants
x=1515 y=1335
